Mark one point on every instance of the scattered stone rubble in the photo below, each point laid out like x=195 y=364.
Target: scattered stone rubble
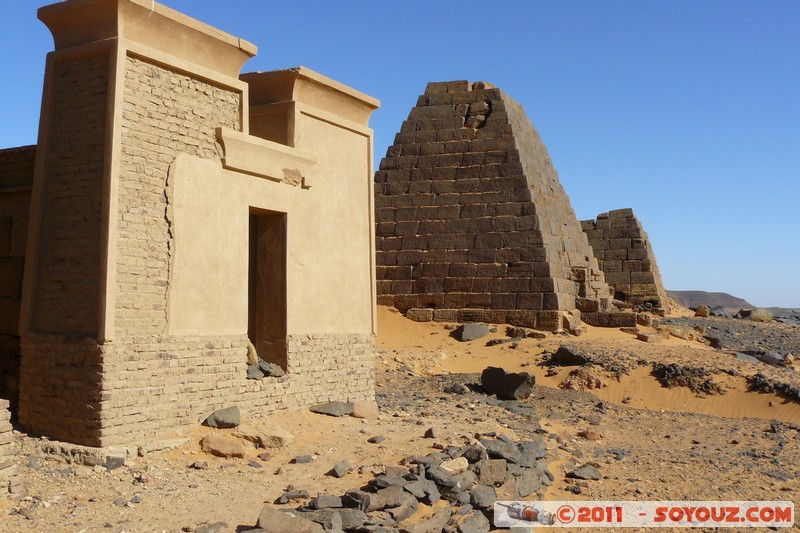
x=742 y=335
x=263 y=369
x=589 y=451
x=698 y=380
x=450 y=490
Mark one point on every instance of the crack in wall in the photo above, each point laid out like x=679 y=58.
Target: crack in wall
x=168 y=218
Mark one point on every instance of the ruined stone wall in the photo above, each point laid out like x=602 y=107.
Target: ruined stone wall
x=472 y=223
x=16 y=179
x=623 y=251
x=10 y=482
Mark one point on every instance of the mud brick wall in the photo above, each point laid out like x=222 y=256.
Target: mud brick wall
x=472 y=222
x=623 y=251
x=61 y=358
x=10 y=482
x=60 y=387
x=67 y=290
x=16 y=180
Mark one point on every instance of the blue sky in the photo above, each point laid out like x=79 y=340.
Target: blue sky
x=686 y=111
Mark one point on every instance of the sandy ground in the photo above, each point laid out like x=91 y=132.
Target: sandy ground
x=656 y=443
x=428 y=348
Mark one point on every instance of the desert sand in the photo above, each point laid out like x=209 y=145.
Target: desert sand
x=652 y=442
x=415 y=343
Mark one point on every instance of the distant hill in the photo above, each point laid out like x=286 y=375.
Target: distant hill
x=695 y=298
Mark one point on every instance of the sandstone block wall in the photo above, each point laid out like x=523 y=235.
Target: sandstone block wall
x=10 y=482
x=623 y=251
x=472 y=221
x=16 y=180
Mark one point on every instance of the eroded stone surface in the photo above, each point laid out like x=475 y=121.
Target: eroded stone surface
x=223 y=446
x=625 y=255
x=472 y=221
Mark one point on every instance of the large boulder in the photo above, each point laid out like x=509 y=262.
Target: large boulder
x=587 y=472
x=230 y=417
x=471 y=332
x=264 y=434
x=434 y=520
x=771 y=358
x=223 y=446
x=568 y=355
x=718 y=310
x=492 y=472
x=745 y=357
x=329 y=519
x=500 y=449
x=507 y=385
x=367 y=409
x=483 y=496
x=333 y=408
x=472 y=522
x=272 y=520
x=528 y=482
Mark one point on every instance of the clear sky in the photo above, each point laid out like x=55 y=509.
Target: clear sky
x=687 y=111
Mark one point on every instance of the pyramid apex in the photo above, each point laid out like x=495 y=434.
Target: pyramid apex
x=457 y=86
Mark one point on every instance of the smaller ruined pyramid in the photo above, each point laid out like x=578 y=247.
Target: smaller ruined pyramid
x=472 y=221
x=624 y=253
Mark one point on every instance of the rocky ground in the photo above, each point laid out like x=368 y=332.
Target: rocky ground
x=432 y=408
x=741 y=335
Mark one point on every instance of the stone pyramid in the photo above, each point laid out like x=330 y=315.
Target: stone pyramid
x=624 y=253
x=472 y=221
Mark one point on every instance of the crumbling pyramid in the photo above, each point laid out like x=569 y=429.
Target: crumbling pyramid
x=624 y=253
x=472 y=222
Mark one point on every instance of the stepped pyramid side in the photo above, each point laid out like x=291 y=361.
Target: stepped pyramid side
x=566 y=243
x=623 y=251
x=472 y=223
